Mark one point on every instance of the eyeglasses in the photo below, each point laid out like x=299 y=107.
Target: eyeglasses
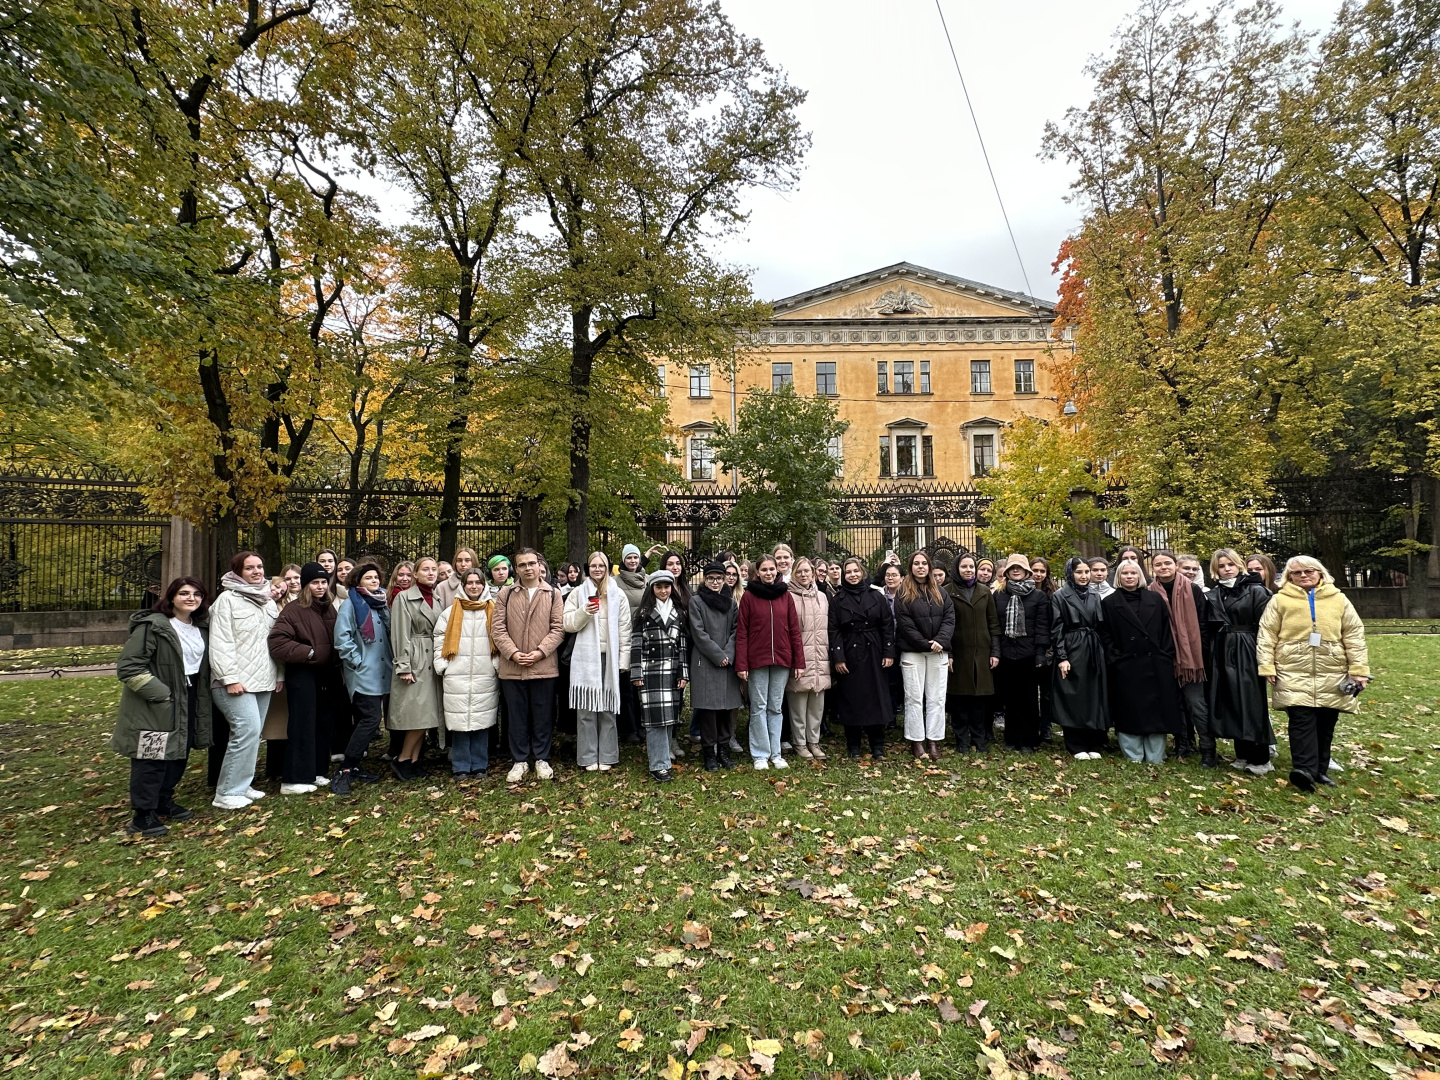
x=1303 y=572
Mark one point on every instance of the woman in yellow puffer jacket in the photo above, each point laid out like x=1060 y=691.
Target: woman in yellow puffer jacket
x=1311 y=647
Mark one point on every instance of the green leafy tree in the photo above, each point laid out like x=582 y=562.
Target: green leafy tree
x=1042 y=495
x=780 y=446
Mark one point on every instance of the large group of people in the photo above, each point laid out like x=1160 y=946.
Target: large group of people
x=475 y=661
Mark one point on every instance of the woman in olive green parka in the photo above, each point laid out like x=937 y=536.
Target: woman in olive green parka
x=165 y=703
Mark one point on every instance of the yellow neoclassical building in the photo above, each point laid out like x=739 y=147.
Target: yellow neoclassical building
x=930 y=369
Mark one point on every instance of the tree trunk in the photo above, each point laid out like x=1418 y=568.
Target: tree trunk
x=1433 y=566
x=527 y=529
x=227 y=542
x=582 y=366
x=267 y=543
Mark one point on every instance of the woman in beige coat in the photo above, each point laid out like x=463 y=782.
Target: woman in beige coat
x=805 y=693
x=1311 y=647
x=415 y=696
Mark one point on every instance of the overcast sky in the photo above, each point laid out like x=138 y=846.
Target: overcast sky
x=894 y=172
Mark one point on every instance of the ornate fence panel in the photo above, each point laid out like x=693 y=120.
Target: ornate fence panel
x=78 y=542
x=397 y=521
x=872 y=521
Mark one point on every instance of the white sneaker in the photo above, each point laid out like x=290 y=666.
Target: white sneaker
x=1239 y=763
x=543 y=770
x=337 y=757
x=604 y=768
x=785 y=745
x=676 y=750
x=297 y=789
x=230 y=802
x=592 y=768
x=254 y=794
x=1261 y=770
x=322 y=781
x=1082 y=756
x=1335 y=766
x=778 y=762
x=516 y=773
x=761 y=764
x=735 y=747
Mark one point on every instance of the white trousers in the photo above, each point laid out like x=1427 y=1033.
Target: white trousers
x=924 y=676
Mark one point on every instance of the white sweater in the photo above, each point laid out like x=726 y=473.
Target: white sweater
x=239 y=643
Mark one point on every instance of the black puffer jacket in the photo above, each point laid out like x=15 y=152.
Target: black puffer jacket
x=921 y=621
x=1036 y=639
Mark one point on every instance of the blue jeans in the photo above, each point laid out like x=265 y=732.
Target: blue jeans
x=246 y=715
x=767 y=691
x=469 y=752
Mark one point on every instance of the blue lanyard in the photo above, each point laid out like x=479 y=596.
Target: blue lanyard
x=1311 y=594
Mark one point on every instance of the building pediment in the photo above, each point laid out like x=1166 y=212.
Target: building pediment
x=982 y=421
x=908 y=292
x=907 y=422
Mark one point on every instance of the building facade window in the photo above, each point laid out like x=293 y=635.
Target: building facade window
x=1024 y=376
x=660 y=375
x=884 y=455
x=882 y=377
x=979 y=376
x=905 y=457
x=927 y=455
x=904 y=376
x=702 y=458
x=781 y=375
x=700 y=380
x=983 y=463
x=825 y=378
x=836 y=448
x=924 y=376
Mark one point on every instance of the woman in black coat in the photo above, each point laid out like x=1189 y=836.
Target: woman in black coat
x=862 y=647
x=1024 y=615
x=1239 y=707
x=1140 y=651
x=1079 y=690
x=974 y=653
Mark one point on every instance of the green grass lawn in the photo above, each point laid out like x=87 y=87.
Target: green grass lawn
x=1001 y=917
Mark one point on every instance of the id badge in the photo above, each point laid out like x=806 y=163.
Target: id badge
x=1314 y=639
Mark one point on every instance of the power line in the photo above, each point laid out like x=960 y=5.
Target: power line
x=984 y=153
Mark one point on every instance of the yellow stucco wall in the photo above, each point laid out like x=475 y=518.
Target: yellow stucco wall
x=846 y=324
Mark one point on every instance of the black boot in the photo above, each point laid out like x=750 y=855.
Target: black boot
x=146 y=823
x=722 y=754
x=1207 y=759
x=340 y=782
x=175 y=812
x=712 y=760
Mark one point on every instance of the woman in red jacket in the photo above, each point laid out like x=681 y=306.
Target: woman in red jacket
x=767 y=649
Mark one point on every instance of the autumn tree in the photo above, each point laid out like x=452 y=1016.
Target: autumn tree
x=1042 y=494
x=1180 y=370
x=636 y=126
x=781 y=448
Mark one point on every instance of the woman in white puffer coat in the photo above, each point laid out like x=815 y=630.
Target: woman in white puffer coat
x=466 y=661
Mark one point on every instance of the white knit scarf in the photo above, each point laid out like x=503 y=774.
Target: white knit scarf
x=595 y=687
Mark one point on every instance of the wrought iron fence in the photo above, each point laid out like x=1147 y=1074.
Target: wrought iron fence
x=85 y=540
x=81 y=541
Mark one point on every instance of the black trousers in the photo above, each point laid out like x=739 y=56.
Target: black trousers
x=1045 y=678
x=152 y=783
x=855 y=739
x=307 y=749
x=717 y=726
x=1084 y=740
x=219 y=743
x=369 y=710
x=532 y=717
x=627 y=723
x=1021 y=698
x=1311 y=733
x=342 y=722
x=970 y=718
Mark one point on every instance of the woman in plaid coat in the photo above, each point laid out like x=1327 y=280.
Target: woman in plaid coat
x=660 y=666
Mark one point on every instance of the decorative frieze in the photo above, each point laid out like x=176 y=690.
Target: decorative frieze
x=842 y=333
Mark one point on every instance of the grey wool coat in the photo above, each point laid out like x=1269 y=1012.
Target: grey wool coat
x=415 y=706
x=155 y=699
x=660 y=657
x=712 y=637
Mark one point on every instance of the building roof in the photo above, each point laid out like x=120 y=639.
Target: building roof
x=913 y=272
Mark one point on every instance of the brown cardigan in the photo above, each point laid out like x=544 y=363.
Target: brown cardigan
x=525 y=625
